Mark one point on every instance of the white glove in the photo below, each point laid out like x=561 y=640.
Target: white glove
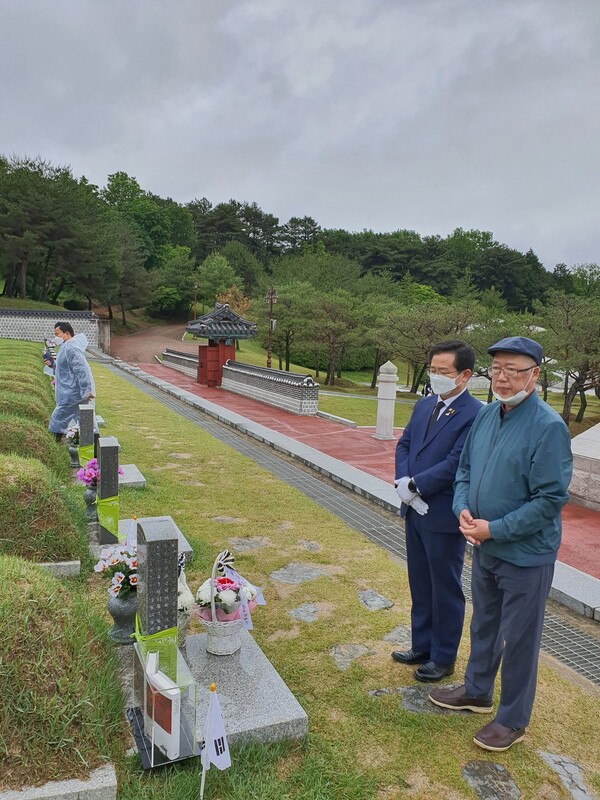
x=419 y=505
x=403 y=491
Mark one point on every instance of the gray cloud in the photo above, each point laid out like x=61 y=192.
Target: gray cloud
x=375 y=114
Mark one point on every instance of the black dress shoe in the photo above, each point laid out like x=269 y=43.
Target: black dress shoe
x=432 y=672
x=410 y=657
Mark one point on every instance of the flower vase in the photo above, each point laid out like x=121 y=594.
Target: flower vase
x=123 y=611
x=74 y=456
x=89 y=498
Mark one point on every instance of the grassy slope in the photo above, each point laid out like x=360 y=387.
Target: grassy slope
x=195 y=478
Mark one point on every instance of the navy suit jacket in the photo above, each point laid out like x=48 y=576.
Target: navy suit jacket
x=432 y=460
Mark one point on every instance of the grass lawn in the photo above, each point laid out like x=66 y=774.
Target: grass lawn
x=358 y=746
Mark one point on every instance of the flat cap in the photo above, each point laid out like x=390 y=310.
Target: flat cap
x=518 y=344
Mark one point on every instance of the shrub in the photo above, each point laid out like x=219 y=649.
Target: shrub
x=26 y=438
x=41 y=518
x=76 y=305
x=60 y=714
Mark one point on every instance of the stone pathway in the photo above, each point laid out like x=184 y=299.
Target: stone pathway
x=570 y=775
x=370 y=599
x=298 y=573
x=345 y=654
x=490 y=781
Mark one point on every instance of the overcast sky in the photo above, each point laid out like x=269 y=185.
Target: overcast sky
x=382 y=114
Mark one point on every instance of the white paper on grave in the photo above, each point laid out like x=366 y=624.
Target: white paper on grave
x=162 y=710
x=131 y=539
x=215 y=749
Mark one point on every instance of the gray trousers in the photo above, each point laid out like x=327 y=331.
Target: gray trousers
x=508 y=616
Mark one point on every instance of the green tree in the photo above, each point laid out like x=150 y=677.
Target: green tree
x=214 y=277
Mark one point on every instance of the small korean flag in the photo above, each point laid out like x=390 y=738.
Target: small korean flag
x=215 y=750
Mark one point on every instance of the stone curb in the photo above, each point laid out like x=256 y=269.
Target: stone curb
x=101 y=785
x=333 y=418
x=572 y=588
x=61 y=569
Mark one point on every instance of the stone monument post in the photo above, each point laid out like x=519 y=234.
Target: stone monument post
x=108 y=490
x=86 y=434
x=386 y=401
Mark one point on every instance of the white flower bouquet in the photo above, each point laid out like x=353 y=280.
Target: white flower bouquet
x=229 y=596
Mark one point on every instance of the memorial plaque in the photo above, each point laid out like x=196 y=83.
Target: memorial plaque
x=157 y=544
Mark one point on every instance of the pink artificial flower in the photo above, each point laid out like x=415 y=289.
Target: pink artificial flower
x=133 y=580
x=118 y=577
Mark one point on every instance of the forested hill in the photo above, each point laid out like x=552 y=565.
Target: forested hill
x=122 y=245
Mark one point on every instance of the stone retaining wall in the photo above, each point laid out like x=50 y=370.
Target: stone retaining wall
x=290 y=391
x=585 y=485
x=36 y=326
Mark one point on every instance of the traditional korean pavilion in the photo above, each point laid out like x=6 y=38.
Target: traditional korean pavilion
x=222 y=327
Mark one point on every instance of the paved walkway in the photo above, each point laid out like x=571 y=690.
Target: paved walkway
x=356 y=447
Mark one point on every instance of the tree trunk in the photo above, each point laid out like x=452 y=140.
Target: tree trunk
x=490 y=394
x=565 y=396
x=417 y=377
x=287 y=351
x=566 y=413
x=280 y=361
x=23 y=278
x=89 y=299
x=123 y=320
x=376 y=366
x=9 y=286
x=56 y=294
x=110 y=311
x=582 y=407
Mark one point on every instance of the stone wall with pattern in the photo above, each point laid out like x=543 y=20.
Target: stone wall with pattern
x=287 y=390
x=36 y=326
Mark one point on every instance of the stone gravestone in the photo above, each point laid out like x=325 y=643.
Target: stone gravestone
x=108 y=489
x=86 y=434
x=157 y=552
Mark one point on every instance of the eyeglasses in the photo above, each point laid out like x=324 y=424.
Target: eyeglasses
x=443 y=372
x=510 y=372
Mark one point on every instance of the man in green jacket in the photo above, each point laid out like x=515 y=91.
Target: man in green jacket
x=511 y=485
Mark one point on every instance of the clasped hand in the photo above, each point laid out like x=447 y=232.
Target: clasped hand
x=475 y=531
x=412 y=499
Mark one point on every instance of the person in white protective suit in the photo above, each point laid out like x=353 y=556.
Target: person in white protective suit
x=73 y=376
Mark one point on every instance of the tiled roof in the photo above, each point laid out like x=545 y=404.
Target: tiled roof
x=60 y=313
x=222 y=323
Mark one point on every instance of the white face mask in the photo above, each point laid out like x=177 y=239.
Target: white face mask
x=514 y=399
x=442 y=384
x=57 y=341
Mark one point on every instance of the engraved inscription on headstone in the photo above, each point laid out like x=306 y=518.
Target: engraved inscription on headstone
x=157 y=574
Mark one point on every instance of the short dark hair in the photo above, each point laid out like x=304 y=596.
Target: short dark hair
x=464 y=356
x=65 y=327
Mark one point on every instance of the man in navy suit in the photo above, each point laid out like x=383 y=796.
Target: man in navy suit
x=427 y=458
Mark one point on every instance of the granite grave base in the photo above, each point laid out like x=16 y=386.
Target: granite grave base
x=131 y=478
x=256 y=704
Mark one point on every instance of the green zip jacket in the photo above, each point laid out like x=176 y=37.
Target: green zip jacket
x=514 y=472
